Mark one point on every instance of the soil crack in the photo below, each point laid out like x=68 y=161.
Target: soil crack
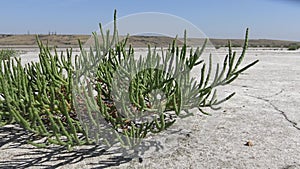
x=294 y=124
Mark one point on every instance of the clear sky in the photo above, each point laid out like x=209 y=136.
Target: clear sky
x=267 y=19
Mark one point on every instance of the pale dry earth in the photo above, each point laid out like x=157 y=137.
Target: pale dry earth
x=263 y=111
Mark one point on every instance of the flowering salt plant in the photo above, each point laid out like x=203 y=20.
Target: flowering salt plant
x=122 y=99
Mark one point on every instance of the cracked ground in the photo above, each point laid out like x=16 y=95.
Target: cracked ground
x=264 y=112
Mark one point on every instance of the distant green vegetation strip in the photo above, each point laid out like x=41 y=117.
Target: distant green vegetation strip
x=265 y=43
x=294 y=47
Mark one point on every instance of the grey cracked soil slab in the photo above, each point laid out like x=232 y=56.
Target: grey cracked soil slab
x=264 y=111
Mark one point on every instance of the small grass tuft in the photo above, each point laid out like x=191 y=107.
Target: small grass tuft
x=6 y=54
x=293 y=47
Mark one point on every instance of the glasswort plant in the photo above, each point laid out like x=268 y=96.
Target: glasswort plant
x=107 y=96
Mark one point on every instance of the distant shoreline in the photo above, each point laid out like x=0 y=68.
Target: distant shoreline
x=67 y=41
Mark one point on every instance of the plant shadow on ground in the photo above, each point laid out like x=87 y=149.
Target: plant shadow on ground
x=13 y=138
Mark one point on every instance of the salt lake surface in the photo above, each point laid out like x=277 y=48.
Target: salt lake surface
x=265 y=111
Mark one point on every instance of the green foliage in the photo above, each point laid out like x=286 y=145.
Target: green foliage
x=6 y=54
x=38 y=97
x=293 y=47
x=46 y=97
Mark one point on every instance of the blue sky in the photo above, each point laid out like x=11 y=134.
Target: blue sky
x=267 y=19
